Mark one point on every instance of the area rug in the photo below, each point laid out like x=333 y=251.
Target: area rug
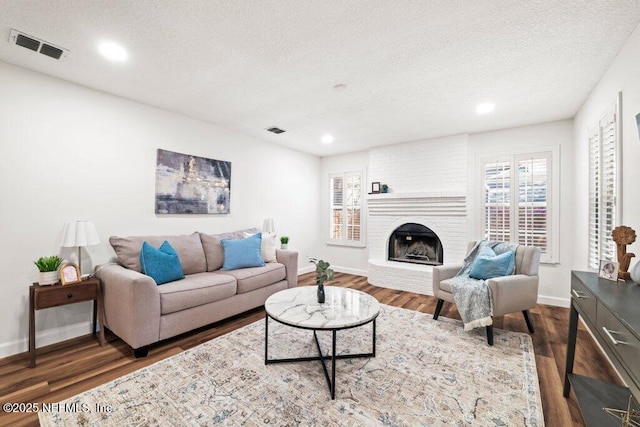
x=425 y=373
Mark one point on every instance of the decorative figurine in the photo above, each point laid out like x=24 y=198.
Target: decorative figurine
x=624 y=236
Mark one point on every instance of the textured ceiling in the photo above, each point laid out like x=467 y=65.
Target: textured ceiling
x=414 y=69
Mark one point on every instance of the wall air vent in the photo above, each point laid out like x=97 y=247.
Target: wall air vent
x=37 y=45
x=276 y=130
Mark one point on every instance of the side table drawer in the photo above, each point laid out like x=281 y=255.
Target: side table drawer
x=624 y=344
x=584 y=299
x=64 y=295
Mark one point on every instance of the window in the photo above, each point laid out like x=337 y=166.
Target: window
x=517 y=201
x=345 y=211
x=603 y=189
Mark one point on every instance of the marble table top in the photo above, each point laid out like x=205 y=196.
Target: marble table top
x=343 y=307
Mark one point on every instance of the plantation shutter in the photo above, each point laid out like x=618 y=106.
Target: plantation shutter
x=533 y=201
x=594 y=199
x=335 y=227
x=497 y=200
x=354 y=195
x=345 y=199
x=603 y=189
x=517 y=201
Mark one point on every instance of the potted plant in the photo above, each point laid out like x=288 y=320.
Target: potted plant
x=323 y=273
x=48 y=268
x=385 y=188
x=284 y=242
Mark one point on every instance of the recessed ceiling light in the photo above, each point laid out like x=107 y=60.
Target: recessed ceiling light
x=485 y=107
x=113 y=51
x=327 y=139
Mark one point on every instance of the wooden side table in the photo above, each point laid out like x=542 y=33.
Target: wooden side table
x=57 y=295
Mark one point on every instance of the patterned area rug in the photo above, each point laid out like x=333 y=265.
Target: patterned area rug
x=425 y=373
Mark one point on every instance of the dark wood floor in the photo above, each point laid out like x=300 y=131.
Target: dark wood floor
x=73 y=366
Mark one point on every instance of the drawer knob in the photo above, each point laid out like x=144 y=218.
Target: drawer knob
x=611 y=337
x=69 y=295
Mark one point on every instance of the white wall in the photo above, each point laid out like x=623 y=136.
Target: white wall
x=69 y=152
x=623 y=75
x=555 y=279
x=342 y=258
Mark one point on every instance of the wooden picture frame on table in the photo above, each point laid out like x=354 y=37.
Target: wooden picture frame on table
x=69 y=274
x=608 y=270
x=375 y=187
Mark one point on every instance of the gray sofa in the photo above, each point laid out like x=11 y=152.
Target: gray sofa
x=142 y=313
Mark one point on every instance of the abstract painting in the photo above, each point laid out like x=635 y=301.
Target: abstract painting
x=188 y=184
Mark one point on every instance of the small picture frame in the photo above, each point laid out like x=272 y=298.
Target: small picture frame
x=69 y=274
x=608 y=270
x=375 y=187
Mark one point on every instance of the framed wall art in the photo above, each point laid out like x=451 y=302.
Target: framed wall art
x=187 y=184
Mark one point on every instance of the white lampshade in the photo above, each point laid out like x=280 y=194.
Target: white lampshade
x=269 y=226
x=79 y=233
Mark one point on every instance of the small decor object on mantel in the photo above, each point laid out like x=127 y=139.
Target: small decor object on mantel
x=323 y=273
x=385 y=188
x=624 y=236
x=375 y=187
x=284 y=243
x=48 y=268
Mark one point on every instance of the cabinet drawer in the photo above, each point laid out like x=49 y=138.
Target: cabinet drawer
x=627 y=347
x=584 y=299
x=53 y=297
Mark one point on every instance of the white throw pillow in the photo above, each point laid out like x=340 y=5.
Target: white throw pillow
x=268 y=246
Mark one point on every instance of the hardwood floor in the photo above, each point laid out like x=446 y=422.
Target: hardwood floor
x=73 y=366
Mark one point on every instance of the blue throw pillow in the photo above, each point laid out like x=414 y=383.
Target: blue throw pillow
x=162 y=265
x=489 y=265
x=242 y=253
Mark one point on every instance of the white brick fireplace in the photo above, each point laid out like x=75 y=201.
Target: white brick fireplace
x=428 y=180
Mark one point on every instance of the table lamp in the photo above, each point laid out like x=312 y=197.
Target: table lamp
x=269 y=226
x=80 y=233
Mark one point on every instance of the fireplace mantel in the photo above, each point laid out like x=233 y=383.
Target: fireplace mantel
x=434 y=203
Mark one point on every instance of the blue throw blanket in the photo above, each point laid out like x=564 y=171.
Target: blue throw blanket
x=473 y=296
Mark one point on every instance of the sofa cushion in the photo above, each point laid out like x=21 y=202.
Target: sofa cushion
x=250 y=279
x=445 y=285
x=242 y=253
x=188 y=247
x=267 y=247
x=163 y=264
x=194 y=290
x=212 y=246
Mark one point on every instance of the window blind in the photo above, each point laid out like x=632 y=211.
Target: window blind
x=603 y=188
x=345 y=198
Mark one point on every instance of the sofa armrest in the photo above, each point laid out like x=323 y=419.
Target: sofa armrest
x=290 y=261
x=443 y=272
x=131 y=305
x=513 y=293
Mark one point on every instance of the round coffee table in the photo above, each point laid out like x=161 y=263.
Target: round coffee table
x=343 y=308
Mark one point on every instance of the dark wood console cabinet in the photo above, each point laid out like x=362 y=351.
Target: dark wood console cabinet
x=611 y=311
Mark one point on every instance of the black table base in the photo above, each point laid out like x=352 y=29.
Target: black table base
x=331 y=380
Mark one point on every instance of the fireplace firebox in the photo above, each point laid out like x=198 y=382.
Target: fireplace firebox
x=416 y=244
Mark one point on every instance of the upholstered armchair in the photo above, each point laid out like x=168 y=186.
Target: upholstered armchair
x=517 y=292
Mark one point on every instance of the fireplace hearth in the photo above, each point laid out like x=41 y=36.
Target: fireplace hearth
x=415 y=243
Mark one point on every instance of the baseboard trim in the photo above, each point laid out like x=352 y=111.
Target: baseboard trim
x=305 y=270
x=347 y=270
x=44 y=338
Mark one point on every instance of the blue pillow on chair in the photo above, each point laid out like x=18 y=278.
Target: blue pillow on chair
x=489 y=265
x=242 y=253
x=162 y=265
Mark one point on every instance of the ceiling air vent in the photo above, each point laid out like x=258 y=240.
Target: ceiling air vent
x=276 y=130
x=37 y=45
